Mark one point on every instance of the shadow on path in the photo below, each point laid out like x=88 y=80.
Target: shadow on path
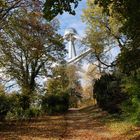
x=77 y=124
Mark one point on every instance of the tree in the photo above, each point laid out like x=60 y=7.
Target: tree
x=74 y=86
x=64 y=77
x=56 y=98
x=28 y=47
x=51 y=7
x=64 y=82
x=127 y=11
x=73 y=76
x=5 y=103
x=108 y=93
x=128 y=62
x=54 y=7
x=7 y=6
x=102 y=33
x=90 y=76
x=59 y=81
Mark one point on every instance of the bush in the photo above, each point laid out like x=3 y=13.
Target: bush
x=17 y=106
x=5 y=105
x=131 y=107
x=32 y=112
x=108 y=93
x=10 y=107
x=21 y=109
x=24 y=101
x=57 y=103
x=19 y=113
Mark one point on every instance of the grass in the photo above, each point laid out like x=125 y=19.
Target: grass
x=119 y=125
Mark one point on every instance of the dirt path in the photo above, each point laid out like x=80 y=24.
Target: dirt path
x=82 y=124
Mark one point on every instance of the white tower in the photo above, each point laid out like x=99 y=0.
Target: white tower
x=71 y=35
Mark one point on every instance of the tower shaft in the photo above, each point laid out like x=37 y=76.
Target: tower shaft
x=72 y=50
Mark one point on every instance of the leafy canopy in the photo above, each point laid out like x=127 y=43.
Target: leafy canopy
x=102 y=33
x=54 y=7
x=128 y=12
x=28 y=47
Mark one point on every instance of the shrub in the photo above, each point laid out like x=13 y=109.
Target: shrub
x=55 y=103
x=19 y=113
x=21 y=109
x=32 y=112
x=108 y=93
x=131 y=107
x=5 y=105
x=24 y=101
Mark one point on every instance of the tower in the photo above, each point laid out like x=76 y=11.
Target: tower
x=71 y=35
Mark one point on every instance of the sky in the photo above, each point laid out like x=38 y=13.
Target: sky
x=67 y=20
